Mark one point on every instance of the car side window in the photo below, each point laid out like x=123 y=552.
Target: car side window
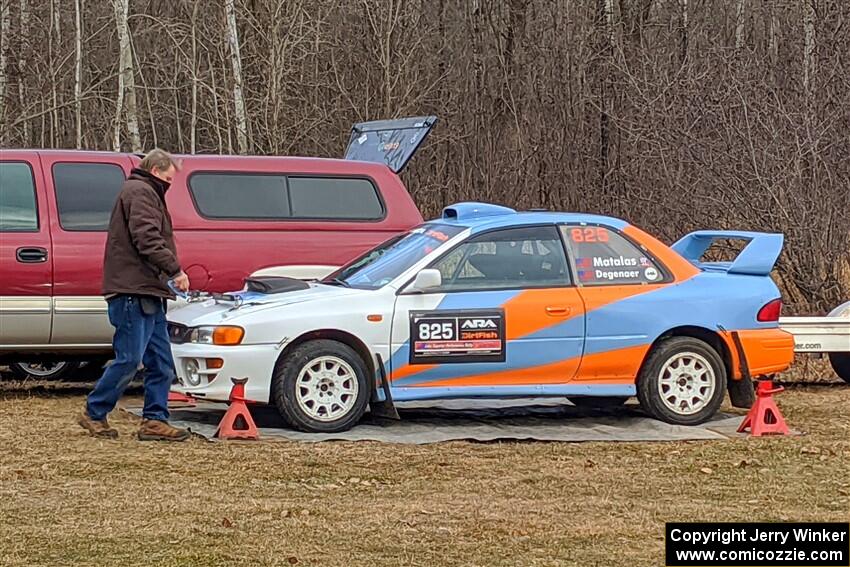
x=86 y=193
x=18 y=210
x=504 y=259
x=605 y=257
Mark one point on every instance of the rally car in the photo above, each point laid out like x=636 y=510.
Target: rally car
x=488 y=302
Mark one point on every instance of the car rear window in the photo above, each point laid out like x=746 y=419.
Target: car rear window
x=18 y=211
x=258 y=196
x=86 y=193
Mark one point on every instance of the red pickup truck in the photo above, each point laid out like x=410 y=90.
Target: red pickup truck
x=234 y=216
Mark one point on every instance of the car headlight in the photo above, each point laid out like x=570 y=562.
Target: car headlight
x=222 y=335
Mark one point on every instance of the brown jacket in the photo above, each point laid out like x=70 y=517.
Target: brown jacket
x=140 y=254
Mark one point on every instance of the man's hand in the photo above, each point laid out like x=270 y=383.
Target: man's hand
x=181 y=281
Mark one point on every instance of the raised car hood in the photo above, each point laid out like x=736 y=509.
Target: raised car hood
x=212 y=312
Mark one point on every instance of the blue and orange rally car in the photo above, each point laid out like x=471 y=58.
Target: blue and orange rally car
x=487 y=302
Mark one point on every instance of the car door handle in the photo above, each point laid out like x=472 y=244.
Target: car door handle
x=33 y=255
x=557 y=310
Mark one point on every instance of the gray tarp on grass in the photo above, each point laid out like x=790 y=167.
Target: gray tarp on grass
x=476 y=420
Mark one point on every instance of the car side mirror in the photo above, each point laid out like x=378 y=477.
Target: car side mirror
x=427 y=280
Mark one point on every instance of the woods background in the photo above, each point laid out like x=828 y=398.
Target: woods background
x=674 y=114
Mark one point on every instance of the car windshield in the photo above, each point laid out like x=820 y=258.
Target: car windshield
x=382 y=264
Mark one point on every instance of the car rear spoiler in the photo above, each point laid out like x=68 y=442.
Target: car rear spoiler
x=391 y=142
x=756 y=259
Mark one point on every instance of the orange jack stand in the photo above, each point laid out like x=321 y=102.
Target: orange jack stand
x=764 y=417
x=237 y=422
x=180 y=398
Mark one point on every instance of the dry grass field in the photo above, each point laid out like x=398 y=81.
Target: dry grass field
x=68 y=499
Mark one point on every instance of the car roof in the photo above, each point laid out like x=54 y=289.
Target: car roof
x=484 y=216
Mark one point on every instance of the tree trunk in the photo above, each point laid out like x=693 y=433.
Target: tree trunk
x=78 y=72
x=194 y=118
x=126 y=79
x=740 y=10
x=809 y=56
x=5 y=24
x=22 y=67
x=236 y=62
x=56 y=42
x=684 y=16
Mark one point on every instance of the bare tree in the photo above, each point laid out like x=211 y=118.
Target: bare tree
x=236 y=62
x=126 y=102
x=809 y=57
x=22 y=63
x=740 y=8
x=78 y=72
x=5 y=23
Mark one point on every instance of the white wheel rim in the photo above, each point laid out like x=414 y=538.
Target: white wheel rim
x=43 y=369
x=326 y=388
x=686 y=383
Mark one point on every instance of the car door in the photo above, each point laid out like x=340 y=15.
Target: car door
x=613 y=273
x=82 y=187
x=26 y=262
x=505 y=315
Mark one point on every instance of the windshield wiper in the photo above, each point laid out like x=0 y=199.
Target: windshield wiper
x=336 y=281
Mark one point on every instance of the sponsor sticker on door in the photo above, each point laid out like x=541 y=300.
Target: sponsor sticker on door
x=468 y=335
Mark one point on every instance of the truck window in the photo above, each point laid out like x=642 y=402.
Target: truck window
x=334 y=198
x=261 y=196
x=18 y=211
x=85 y=194
x=240 y=196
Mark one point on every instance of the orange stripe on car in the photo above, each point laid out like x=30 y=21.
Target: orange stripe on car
x=767 y=350
x=613 y=366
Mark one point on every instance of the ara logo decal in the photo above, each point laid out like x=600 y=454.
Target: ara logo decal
x=479 y=324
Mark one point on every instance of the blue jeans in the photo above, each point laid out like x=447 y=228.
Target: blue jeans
x=140 y=339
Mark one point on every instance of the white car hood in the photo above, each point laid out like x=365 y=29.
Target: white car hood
x=212 y=312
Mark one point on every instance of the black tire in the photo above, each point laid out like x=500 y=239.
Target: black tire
x=285 y=386
x=52 y=370
x=650 y=393
x=601 y=402
x=840 y=362
x=93 y=369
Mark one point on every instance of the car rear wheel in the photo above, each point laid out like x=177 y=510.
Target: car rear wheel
x=598 y=401
x=48 y=370
x=321 y=386
x=682 y=382
x=840 y=362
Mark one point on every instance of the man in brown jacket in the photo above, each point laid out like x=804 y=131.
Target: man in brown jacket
x=139 y=260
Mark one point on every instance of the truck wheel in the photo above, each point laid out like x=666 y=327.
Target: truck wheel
x=682 y=382
x=840 y=362
x=598 y=401
x=322 y=386
x=55 y=370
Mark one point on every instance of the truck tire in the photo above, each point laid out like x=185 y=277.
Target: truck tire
x=53 y=370
x=682 y=382
x=840 y=362
x=322 y=386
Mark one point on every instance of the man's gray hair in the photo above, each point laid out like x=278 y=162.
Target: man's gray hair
x=159 y=159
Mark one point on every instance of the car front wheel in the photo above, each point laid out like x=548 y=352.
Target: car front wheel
x=321 y=386
x=682 y=382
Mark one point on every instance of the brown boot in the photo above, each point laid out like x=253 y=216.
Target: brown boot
x=97 y=428
x=155 y=430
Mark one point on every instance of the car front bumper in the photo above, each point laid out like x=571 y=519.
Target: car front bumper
x=255 y=362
